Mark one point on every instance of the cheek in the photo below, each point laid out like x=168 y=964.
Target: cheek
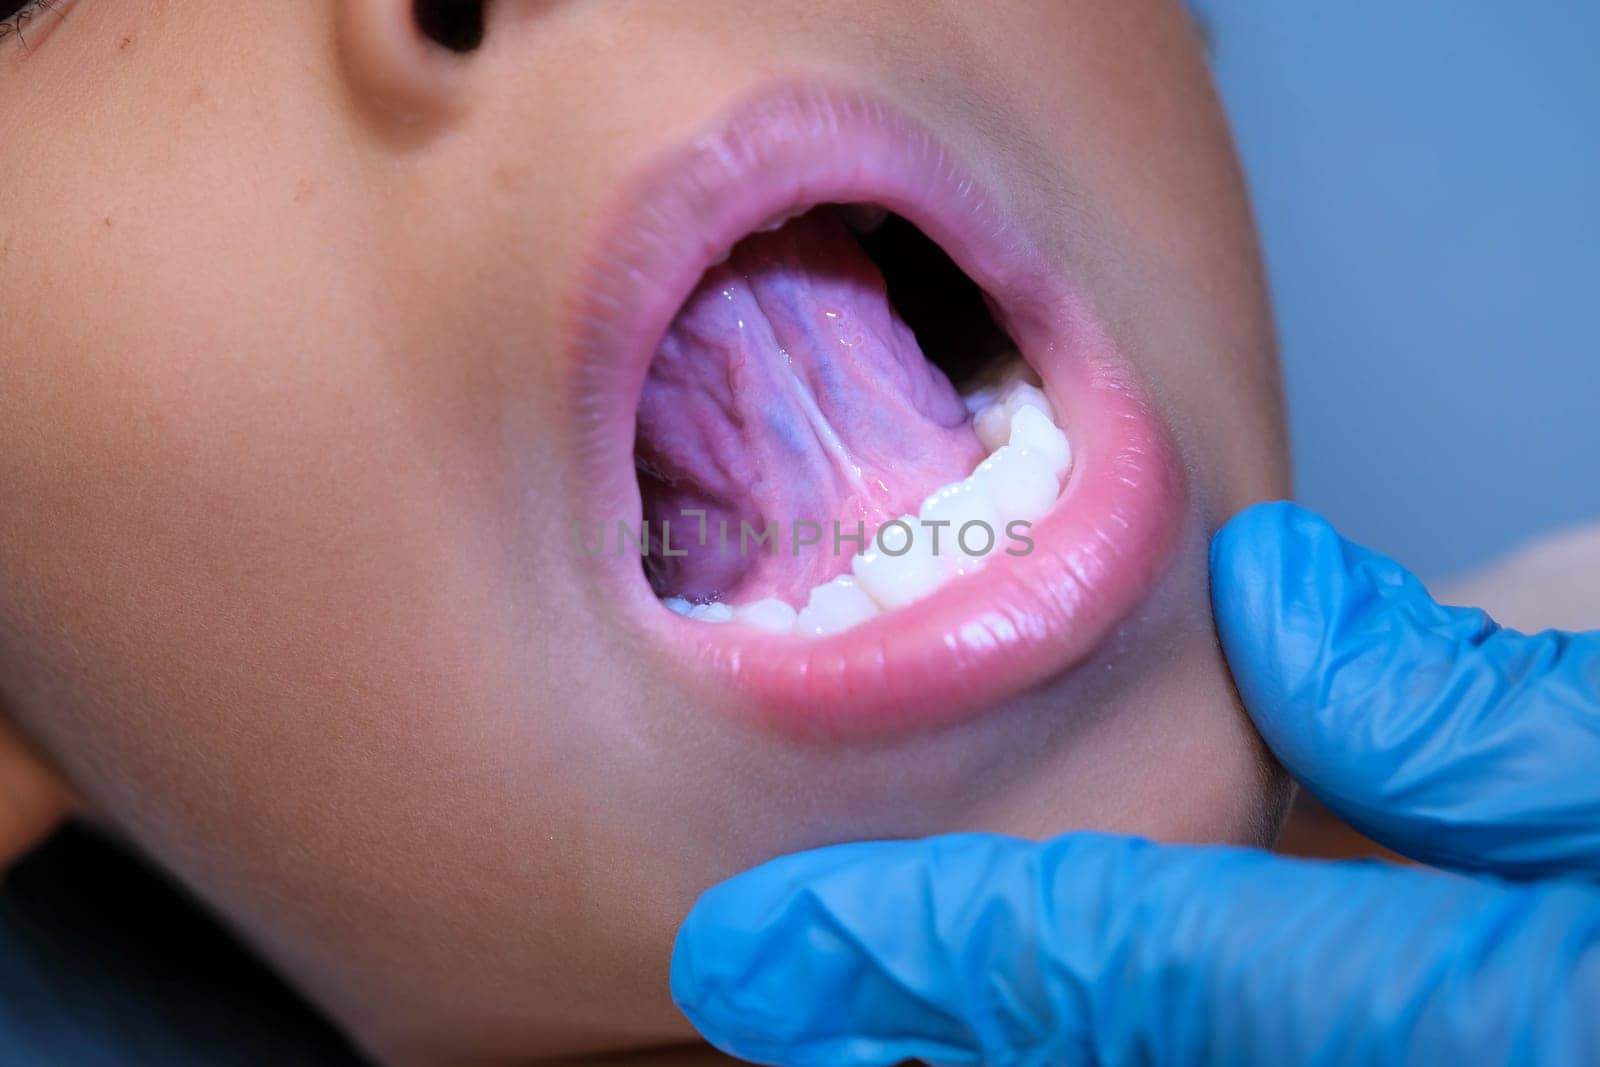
x=284 y=557
x=275 y=561
x=1174 y=259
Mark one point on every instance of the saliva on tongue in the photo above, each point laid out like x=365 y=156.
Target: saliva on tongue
x=789 y=394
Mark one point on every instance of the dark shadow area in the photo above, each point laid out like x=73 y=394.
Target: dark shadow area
x=105 y=964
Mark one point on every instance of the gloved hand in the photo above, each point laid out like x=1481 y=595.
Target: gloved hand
x=1427 y=727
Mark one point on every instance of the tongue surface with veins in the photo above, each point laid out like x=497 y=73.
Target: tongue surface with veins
x=786 y=391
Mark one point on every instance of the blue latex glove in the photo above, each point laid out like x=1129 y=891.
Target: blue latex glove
x=1427 y=727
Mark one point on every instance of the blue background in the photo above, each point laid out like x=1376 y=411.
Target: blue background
x=1427 y=182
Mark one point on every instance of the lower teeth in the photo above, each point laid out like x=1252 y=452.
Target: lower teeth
x=957 y=529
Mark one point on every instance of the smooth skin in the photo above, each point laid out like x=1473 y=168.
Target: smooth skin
x=288 y=599
x=1430 y=728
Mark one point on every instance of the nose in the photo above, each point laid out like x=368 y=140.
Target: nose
x=406 y=64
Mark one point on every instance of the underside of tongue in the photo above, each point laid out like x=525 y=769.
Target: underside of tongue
x=788 y=395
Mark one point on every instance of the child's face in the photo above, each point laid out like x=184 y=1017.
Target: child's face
x=321 y=342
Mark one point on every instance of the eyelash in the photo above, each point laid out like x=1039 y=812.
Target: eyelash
x=12 y=25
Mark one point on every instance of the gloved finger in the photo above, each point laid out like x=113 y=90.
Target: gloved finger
x=1428 y=728
x=1103 y=950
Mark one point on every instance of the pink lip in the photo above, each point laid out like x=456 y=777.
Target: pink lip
x=979 y=641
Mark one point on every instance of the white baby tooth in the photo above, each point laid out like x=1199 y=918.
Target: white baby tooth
x=993 y=426
x=1026 y=395
x=1022 y=483
x=834 y=608
x=959 y=505
x=711 y=613
x=993 y=423
x=1032 y=430
x=905 y=573
x=772 y=615
x=678 y=605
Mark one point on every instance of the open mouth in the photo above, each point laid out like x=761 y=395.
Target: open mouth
x=884 y=467
x=802 y=431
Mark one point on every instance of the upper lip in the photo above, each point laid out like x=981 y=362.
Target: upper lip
x=976 y=642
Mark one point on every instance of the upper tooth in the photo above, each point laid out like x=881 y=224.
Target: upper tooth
x=771 y=615
x=894 y=581
x=834 y=608
x=1031 y=429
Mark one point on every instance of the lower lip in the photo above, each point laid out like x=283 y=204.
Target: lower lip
x=980 y=641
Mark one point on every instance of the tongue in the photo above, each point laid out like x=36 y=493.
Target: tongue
x=788 y=394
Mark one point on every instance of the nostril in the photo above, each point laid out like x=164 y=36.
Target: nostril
x=454 y=24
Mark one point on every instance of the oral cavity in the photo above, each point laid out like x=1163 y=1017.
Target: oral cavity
x=814 y=468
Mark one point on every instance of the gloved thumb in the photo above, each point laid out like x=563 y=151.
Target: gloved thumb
x=1429 y=728
x=1093 y=949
